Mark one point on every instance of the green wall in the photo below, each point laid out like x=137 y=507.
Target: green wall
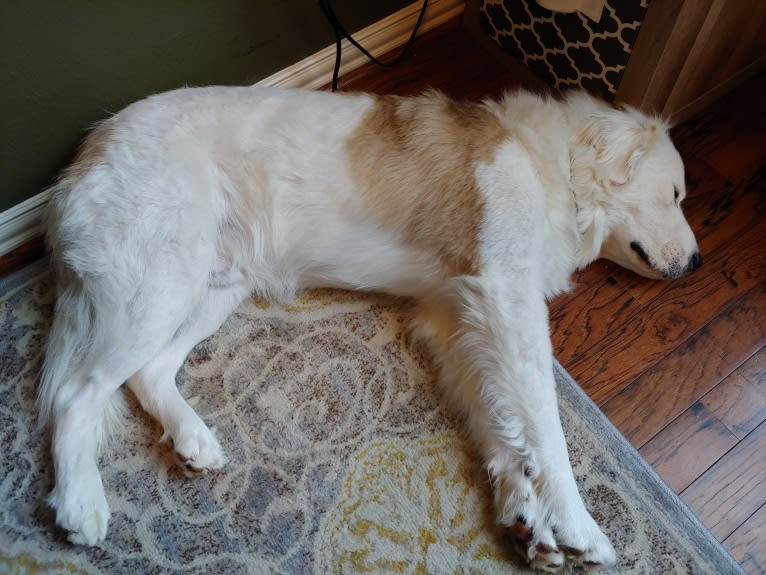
x=65 y=64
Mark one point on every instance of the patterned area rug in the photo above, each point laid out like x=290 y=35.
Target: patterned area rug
x=343 y=459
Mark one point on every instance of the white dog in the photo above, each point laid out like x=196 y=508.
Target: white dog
x=183 y=204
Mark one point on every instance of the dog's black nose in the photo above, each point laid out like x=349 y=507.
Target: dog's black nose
x=695 y=262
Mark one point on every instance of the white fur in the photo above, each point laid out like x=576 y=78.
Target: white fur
x=186 y=202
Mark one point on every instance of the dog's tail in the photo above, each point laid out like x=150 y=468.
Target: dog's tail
x=74 y=335
x=78 y=331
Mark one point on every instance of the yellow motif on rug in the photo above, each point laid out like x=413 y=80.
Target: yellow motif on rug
x=411 y=506
x=313 y=299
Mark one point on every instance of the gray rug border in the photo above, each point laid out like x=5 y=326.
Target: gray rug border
x=628 y=457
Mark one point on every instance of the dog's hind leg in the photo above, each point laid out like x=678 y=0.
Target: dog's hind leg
x=491 y=341
x=78 y=496
x=155 y=384
x=77 y=412
x=105 y=328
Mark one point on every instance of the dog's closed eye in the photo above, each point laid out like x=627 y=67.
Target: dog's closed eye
x=636 y=247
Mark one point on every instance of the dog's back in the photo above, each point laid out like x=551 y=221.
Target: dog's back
x=206 y=188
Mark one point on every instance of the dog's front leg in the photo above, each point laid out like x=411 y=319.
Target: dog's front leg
x=490 y=337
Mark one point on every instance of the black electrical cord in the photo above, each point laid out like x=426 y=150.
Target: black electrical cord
x=340 y=33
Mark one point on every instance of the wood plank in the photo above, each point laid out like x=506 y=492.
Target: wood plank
x=723 y=121
x=739 y=402
x=683 y=450
x=704 y=133
x=725 y=496
x=702 y=180
x=587 y=317
x=670 y=386
x=746 y=544
x=716 y=208
x=644 y=339
x=743 y=156
x=459 y=67
x=583 y=281
x=591 y=275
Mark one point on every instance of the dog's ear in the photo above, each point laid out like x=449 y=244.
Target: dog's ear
x=620 y=138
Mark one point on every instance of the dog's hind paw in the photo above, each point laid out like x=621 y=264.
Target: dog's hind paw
x=82 y=511
x=197 y=448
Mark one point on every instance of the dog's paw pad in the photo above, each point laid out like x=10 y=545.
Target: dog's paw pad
x=536 y=546
x=520 y=531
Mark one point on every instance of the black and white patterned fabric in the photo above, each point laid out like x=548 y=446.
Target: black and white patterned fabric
x=567 y=50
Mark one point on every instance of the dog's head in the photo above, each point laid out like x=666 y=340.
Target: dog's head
x=637 y=185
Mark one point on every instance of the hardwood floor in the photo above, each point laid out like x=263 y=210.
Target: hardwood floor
x=679 y=367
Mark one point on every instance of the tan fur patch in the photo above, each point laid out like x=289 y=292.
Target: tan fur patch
x=413 y=160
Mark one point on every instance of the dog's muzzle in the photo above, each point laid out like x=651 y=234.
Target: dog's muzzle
x=675 y=270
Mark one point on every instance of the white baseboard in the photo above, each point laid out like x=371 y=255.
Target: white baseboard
x=22 y=222
x=379 y=38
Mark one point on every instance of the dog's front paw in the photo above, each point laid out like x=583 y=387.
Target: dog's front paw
x=197 y=448
x=548 y=529
x=523 y=517
x=82 y=510
x=549 y=548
